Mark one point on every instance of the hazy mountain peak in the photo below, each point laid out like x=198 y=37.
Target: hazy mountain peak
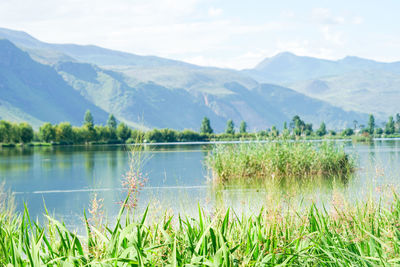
x=20 y=37
x=284 y=54
x=357 y=60
x=16 y=33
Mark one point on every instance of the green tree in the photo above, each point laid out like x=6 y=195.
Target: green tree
x=137 y=136
x=88 y=119
x=80 y=134
x=169 y=135
x=348 y=132
x=286 y=131
x=297 y=125
x=230 y=127
x=123 y=132
x=112 y=127
x=308 y=129
x=378 y=130
x=355 y=123
x=274 y=131
x=154 y=136
x=112 y=122
x=371 y=124
x=190 y=136
x=64 y=132
x=25 y=132
x=15 y=133
x=321 y=130
x=47 y=132
x=390 y=127
x=90 y=132
x=243 y=127
x=5 y=131
x=398 y=122
x=206 y=127
x=102 y=133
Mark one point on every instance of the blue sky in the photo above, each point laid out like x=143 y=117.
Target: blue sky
x=234 y=34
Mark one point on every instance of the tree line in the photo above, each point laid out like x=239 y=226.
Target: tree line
x=115 y=132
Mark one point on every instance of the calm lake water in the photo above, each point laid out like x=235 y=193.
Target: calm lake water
x=65 y=178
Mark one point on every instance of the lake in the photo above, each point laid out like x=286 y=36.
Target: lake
x=65 y=178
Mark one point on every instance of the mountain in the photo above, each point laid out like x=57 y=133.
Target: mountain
x=286 y=68
x=140 y=104
x=35 y=92
x=148 y=91
x=261 y=106
x=351 y=83
x=368 y=91
x=84 y=53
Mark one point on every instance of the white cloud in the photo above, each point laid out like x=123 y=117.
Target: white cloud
x=198 y=31
x=357 y=20
x=324 y=16
x=243 y=61
x=288 y=14
x=214 y=12
x=335 y=37
x=159 y=27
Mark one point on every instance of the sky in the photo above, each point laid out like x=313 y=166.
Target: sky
x=224 y=33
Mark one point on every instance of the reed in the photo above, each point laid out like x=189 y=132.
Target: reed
x=278 y=160
x=363 y=234
x=362 y=139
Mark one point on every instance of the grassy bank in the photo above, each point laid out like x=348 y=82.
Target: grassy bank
x=278 y=160
x=364 y=234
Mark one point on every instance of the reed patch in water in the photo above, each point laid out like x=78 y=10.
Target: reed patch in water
x=278 y=160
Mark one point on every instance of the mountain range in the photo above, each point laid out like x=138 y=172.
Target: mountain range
x=352 y=83
x=57 y=82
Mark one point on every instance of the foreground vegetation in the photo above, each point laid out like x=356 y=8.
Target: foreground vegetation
x=365 y=234
x=113 y=132
x=278 y=160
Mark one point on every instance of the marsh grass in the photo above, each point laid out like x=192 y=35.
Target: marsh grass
x=362 y=138
x=362 y=234
x=277 y=160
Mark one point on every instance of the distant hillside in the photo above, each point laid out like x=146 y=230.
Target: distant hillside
x=158 y=106
x=84 y=53
x=286 y=68
x=351 y=83
x=370 y=91
x=146 y=91
x=36 y=92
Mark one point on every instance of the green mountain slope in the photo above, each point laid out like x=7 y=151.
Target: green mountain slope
x=38 y=90
x=147 y=104
x=158 y=106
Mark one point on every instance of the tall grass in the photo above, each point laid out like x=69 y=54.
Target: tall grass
x=277 y=160
x=365 y=234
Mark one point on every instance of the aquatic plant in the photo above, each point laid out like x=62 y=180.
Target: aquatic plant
x=363 y=234
x=278 y=160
